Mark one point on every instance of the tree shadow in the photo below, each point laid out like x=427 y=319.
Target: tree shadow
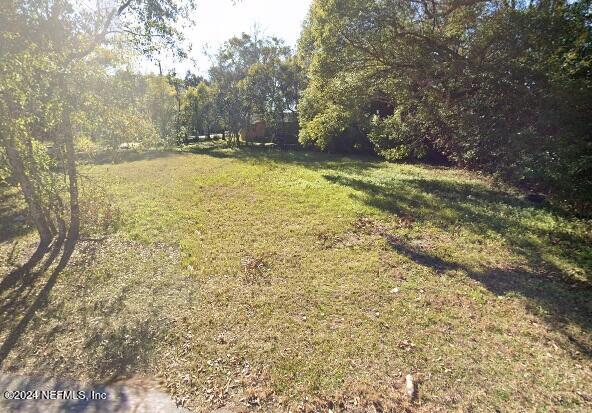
x=116 y=351
x=110 y=158
x=24 y=298
x=313 y=160
x=22 y=282
x=481 y=209
x=449 y=205
x=563 y=303
x=110 y=341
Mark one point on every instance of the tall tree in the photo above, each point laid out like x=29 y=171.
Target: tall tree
x=255 y=77
x=499 y=86
x=46 y=50
x=198 y=105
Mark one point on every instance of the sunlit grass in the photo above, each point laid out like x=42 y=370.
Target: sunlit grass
x=364 y=272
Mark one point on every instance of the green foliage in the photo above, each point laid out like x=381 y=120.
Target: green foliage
x=396 y=139
x=59 y=88
x=198 y=110
x=155 y=26
x=255 y=78
x=118 y=107
x=160 y=103
x=332 y=122
x=494 y=86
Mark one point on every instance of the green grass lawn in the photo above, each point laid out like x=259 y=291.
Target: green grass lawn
x=309 y=281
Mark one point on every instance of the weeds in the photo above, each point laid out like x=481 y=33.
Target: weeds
x=319 y=282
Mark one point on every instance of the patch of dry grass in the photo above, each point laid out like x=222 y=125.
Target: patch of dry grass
x=311 y=282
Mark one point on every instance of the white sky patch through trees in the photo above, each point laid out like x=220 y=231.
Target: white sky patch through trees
x=218 y=20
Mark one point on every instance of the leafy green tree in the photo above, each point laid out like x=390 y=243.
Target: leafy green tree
x=499 y=86
x=232 y=63
x=113 y=110
x=47 y=53
x=160 y=103
x=199 y=109
x=271 y=86
x=255 y=78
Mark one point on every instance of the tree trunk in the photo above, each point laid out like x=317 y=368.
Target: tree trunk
x=74 y=229
x=35 y=208
x=35 y=213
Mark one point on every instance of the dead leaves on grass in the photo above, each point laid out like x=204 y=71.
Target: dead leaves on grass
x=371 y=226
x=406 y=345
x=255 y=270
x=361 y=398
x=99 y=214
x=365 y=231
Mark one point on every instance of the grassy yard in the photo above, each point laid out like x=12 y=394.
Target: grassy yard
x=293 y=280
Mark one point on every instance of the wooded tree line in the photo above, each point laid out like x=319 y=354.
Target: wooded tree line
x=252 y=77
x=502 y=86
x=498 y=86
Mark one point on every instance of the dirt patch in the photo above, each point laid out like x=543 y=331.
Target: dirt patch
x=255 y=270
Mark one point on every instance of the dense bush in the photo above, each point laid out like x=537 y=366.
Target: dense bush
x=501 y=87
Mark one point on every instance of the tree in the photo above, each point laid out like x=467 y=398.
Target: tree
x=271 y=87
x=160 y=103
x=232 y=63
x=255 y=77
x=113 y=109
x=498 y=86
x=199 y=109
x=45 y=56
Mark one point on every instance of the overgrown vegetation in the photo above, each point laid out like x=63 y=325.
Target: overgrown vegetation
x=498 y=86
x=303 y=280
x=299 y=280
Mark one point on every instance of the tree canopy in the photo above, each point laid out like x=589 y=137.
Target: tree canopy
x=255 y=77
x=55 y=58
x=494 y=85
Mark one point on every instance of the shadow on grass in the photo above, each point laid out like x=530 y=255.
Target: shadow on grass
x=472 y=206
x=562 y=304
x=450 y=205
x=255 y=155
x=24 y=296
x=108 y=158
x=307 y=159
x=114 y=345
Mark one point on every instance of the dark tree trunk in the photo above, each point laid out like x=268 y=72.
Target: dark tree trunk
x=33 y=203
x=74 y=228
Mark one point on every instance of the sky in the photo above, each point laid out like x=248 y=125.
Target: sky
x=218 y=20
